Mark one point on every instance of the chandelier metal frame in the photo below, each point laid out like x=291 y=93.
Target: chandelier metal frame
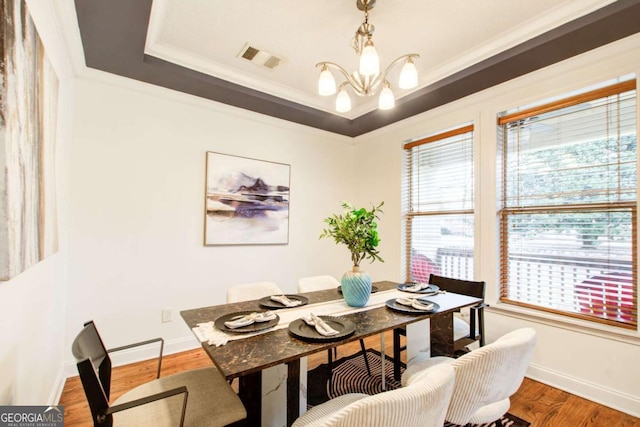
x=365 y=85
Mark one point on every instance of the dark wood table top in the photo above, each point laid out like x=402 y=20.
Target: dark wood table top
x=253 y=354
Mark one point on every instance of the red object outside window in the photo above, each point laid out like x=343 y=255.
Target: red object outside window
x=608 y=296
x=422 y=267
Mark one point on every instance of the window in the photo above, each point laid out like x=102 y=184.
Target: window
x=438 y=199
x=568 y=198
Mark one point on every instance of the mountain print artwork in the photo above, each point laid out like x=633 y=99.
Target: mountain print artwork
x=247 y=201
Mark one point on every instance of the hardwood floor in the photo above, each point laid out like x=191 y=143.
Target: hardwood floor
x=535 y=402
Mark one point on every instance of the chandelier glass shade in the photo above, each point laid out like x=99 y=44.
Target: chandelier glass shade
x=367 y=80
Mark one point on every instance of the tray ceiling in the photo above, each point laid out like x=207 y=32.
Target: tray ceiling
x=195 y=47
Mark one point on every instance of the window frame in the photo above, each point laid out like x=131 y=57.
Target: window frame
x=505 y=212
x=408 y=213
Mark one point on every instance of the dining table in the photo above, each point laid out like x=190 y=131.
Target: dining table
x=247 y=357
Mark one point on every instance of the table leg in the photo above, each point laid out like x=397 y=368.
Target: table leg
x=293 y=391
x=382 y=360
x=250 y=392
x=396 y=354
x=442 y=335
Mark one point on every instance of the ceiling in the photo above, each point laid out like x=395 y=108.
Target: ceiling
x=464 y=46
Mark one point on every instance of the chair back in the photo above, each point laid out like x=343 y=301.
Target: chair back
x=463 y=287
x=250 y=291
x=476 y=320
x=94 y=368
x=489 y=376
x=423 y=403
x=317 y=283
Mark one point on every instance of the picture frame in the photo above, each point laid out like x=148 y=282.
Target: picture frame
x=246 y=201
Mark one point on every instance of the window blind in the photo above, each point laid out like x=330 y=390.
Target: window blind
x=438 y=203
x=568 y=199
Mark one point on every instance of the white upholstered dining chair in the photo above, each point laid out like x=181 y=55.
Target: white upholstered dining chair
x=317 y=283
x=249 y=291
x=423 y=403
x=485 y=377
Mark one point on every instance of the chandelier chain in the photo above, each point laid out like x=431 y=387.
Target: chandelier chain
x=365 y=30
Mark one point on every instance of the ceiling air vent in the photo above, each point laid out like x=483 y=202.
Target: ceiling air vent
x=259 y=57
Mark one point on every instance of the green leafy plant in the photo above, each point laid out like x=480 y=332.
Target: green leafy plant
x=358 y=230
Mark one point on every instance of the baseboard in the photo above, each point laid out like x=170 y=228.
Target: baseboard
x=139 y=354
x=58 y=386
x=595 y=392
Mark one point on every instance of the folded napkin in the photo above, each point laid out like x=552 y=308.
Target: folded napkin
x=250 y=318
x=417 y=287
x=412 y=302
x=321 y=326
x=282 y=299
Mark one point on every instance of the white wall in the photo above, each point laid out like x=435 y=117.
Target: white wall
x=32 y=319
x=600 y=363
x=137 y=179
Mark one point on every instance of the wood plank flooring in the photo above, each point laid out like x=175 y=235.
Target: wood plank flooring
x=535 y=402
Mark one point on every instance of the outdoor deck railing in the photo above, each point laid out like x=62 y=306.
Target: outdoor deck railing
x=578 y=284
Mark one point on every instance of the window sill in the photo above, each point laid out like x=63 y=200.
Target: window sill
x=628 y=336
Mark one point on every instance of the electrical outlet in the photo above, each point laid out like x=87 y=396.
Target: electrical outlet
x=166 y=315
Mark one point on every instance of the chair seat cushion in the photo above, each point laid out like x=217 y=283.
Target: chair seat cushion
x=417 y=368
x=318 y=415
x=212 y=402
x=490 y=413
x=460 y=328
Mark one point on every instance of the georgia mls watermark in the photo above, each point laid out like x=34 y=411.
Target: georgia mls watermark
x=31 y=416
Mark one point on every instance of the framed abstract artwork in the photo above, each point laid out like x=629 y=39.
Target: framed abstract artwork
x=246 y=201
x=28 y=123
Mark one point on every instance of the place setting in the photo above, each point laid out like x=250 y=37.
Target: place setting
x=276 y=302
x=420 y=288
x=321 y=328
x=243 y=322
x=412 y=305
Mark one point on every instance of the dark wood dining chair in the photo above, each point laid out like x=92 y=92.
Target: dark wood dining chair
x=199 y=397
x=465 y=333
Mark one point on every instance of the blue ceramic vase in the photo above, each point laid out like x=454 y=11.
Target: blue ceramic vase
x=356 y=287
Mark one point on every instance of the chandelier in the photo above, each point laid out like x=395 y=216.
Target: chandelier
x=367 y=80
